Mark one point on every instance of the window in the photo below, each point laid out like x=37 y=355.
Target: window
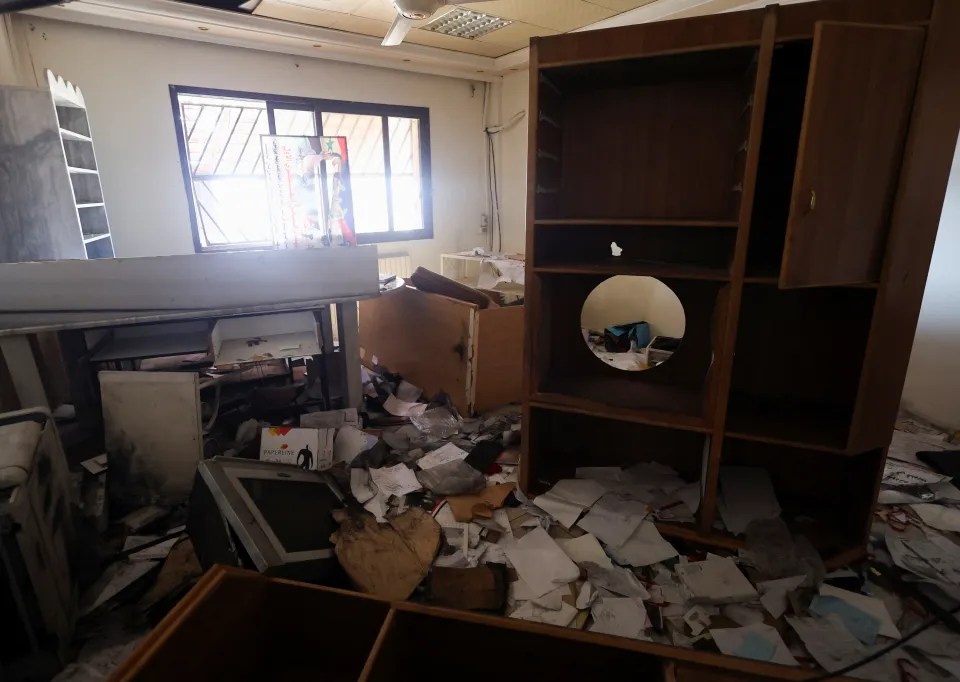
x=219 y=139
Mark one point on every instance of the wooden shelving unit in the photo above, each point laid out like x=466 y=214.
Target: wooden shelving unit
x=732 y=157
x=75 y=137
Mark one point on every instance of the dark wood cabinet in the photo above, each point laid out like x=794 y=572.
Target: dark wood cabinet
x=782 y=171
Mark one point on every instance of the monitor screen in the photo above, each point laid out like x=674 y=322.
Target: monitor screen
x=298 y=512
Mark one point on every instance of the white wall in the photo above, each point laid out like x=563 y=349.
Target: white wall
x=623 y=299
x=11 y=71
x=125 y=76
x=933 y=378
x=512 y=161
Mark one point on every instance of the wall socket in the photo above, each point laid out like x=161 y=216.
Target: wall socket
x=484 y=223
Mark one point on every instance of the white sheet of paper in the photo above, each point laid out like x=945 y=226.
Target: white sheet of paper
x=773 y=593
x=697 y=620
x=871 y=605
x=553 y=600
x=585 y=548
x=408 y=393
x=159 y=551
x=937 y=516
x=690 y=495
x=619 y=581
x=613 y=518
x=348 y=443
x=941 y=492
x=331 y=419
x=396 y=480
x=541 y=563
x=928 y=555
x=442 y=455
x=586 y=596
x=562 y=617
x=123 y=575
x=583 y=492
x=897 y=474
x=654 y=475
x=746 y=493
x=644 y=547
x=623 y=617
x=829 y=642
x=377 y=505
x=361 y=486
x=520 y=591
x=742 y=615
x=402 y=408
x=563 y=511
x=951 y=665
x=717 y=581
x=608 y=474
x=754 y=641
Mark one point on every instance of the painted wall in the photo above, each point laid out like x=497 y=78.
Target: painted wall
x=512 y=161
x=125 y=77
x=11 y=71
x=624 y=299
x=933 y=378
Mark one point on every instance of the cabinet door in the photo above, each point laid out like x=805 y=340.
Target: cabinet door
x=859 y=98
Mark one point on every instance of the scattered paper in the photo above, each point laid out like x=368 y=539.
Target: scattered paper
x=482 y=504
x=937 y=516
x=586 y=596
x=940 y=491
x=408 y=393
x=860 y=624
x=614 y=518
x=553 y=600
x=350 y=442
x=402 y=408
x=951 y=665
x=870 y=605
x=746 y=494
x=717 y=581
x=121 y=575
x=654 y=475
x=897 y=474
x=742 y=615
x=931 y=556
x=621 y=581
x=331 y=419
x=541 y=563
x=832 y=645
x=773 y=593
x=697 y=620
x=447 y=453
x=690 y=495
x=361 y=485
x=95 y=465
x=607 y=474
x=155 y=552
x=562 y=511
x=396 y=480
x=579 y=491
x=531 y=612
x=621 y=617
x=585 y=549
x=758 y=642
x=377 y=506
x=645 y=547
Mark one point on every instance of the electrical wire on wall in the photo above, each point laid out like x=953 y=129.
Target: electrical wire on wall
x=493 y=188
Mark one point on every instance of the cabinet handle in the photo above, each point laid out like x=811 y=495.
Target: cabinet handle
x=813 y=201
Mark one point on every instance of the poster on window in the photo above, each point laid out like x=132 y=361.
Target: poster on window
x=308 y=190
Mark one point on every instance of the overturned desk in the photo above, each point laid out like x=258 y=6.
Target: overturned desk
x=172 y=300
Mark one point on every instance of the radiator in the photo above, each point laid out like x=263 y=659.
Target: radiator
x=396 y=264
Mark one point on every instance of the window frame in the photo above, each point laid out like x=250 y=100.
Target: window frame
x=318 y=107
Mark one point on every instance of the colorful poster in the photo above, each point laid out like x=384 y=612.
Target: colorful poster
x=308 y=188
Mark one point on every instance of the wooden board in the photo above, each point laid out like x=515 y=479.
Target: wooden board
x=498 y=358
x=153 y=434
x=190 y=282
x=427 y=338
x=858 y=105
x=38 y=220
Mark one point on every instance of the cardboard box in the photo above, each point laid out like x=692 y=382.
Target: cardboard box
x=443 y=344
x=310 y=449
x=265 y=337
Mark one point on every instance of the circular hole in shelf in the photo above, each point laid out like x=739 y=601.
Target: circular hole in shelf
x=632 y=323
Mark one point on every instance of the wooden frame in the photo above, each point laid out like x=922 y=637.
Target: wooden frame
x=767 y=394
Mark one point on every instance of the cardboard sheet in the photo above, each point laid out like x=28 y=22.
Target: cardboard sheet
x=482 y=504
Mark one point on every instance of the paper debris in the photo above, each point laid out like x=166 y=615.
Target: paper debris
x=773 y=593
x=115 y=579
x=897 y=474
x=717 y=581
x=613 y=518
x=621 y=617
x=758 y=642
x=402 y=408
x=155 y=552
x=617 y=580
x=746 y=493
x=606 y=474
x=541 y=563
x=579 y=491
x=396 y=480
x=860 y=624
x=408 y=393
x=562 y=511
x=331 y=419
x=482 y=504
x=553 y=600
x=832 y=645
x=869 y=605
x=531 y=612
x=931 y=556
x=585 y=549
x=938 y=516
x=447 y=453
x=361 y=486
x=586 y=596
x=742 y=615
x=95 y=465
x=350 y=442
x=697 y=620
x=690 y=495
x=644 y=547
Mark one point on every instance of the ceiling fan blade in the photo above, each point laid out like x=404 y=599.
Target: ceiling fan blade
x=401 y=27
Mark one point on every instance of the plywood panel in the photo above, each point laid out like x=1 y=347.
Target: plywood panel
x=38 y=220
x=498 y=358
x=427 y=338
x=153 y=434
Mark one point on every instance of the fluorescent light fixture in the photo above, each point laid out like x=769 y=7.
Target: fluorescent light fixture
x=464 y=23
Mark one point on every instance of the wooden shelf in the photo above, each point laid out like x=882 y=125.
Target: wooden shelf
x=644 y=222
x=789 y=424
x=76 y=137
x=87 y=239
x=775 y=281
x=684 y=417
x=614 y=266
x=81 y=171
x=93 y=204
